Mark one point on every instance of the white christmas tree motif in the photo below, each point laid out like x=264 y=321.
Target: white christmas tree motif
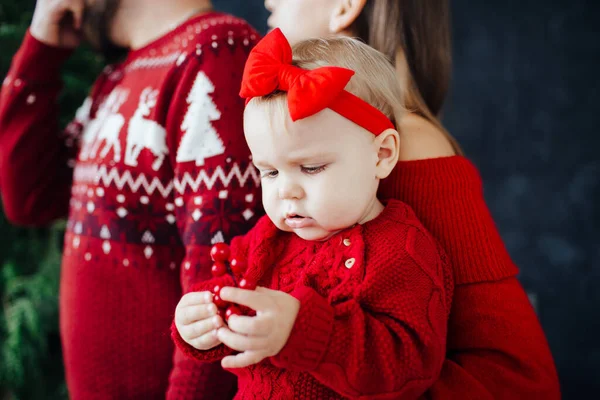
x=217 y=238
x=147 y=237
x=200 y=139
x=104 y=232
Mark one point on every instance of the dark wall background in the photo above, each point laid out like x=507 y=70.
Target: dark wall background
x=524 y=105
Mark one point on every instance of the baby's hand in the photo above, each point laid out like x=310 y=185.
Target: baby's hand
x=263 y=335
x=196 y=320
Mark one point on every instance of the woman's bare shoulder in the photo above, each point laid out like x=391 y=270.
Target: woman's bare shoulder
x=420 y=139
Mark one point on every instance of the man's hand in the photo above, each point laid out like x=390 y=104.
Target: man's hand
x=263 y=335
x=58 y=22
x=196 y=320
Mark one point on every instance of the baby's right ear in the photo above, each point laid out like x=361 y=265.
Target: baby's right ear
x=387 y=144
x=344 y=14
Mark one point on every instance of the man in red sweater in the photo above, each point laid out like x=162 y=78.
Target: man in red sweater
x=151 y=172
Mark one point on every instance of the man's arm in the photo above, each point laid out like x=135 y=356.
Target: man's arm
x=217 y=187
x=35 y=171
x=35 y=166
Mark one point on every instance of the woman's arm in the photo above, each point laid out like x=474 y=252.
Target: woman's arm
x=496 y=347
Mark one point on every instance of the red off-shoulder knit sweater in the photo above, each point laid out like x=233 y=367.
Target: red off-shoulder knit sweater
x=496 y=348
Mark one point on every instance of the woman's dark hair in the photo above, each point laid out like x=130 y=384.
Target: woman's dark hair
x=415 y=35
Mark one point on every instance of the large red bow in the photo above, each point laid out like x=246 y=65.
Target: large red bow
x=269 y=68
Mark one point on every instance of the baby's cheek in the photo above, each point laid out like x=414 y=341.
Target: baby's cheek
x=334 y=208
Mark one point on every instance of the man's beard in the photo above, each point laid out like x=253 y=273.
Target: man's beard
x=97 y=21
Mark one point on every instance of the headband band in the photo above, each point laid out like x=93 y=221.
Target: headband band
x=269 y=68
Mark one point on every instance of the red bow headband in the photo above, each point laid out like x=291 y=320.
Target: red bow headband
x=269 y=68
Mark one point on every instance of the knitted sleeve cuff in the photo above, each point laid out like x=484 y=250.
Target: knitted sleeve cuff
x=310 y=335
x=214 y=354
x=38 y=62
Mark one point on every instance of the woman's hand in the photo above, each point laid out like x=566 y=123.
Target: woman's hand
x=263 y=335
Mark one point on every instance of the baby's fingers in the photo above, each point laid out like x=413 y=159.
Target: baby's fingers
x=251 y=326
x=242 y=342
x=190 y=314
x=200 y=328
x=242 y=360
x=195 y=298
x=206 y=341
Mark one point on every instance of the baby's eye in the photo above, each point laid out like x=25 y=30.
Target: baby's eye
x=268 y=174
x=313 y=170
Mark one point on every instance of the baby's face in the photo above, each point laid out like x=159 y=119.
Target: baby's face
x=318 y=174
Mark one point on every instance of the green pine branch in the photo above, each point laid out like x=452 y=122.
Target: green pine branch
x=29 y=328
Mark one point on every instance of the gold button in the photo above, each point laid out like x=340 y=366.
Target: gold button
x=347 y=242
x=350 y=263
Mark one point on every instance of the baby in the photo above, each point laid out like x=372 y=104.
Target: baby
x=353 y=294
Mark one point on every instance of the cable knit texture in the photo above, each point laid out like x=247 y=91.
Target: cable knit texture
x=152 y=170
x=374 y=302
x=496 y=346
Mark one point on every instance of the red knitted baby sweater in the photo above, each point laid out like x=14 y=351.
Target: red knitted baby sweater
x=374 y=301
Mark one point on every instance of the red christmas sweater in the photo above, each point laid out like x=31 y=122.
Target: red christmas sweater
x=496 y=347
x=152 y=171
x=374 y=302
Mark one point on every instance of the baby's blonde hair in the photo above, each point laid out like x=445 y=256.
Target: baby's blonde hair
x=375 y=80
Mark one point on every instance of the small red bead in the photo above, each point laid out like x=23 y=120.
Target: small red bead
x=220 y=252
x=247 y=311
x=238 y=267
x=218 y=269
x=219 y=302
x=217 y=289
x=247 y=284
x=232 y=310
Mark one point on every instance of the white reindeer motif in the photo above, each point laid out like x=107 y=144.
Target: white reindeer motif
x=145 y=133
x=105 y=125
x=111 y=126
x=90 y=128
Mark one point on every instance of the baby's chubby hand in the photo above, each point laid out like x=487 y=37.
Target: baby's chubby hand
x=197 y=320
x=260 y=336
